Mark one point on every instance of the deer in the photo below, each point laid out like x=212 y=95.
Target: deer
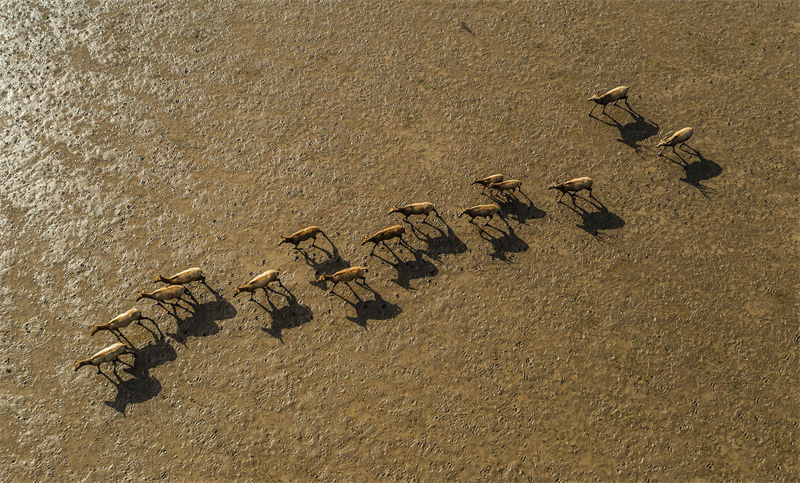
x=345 y=276
x=109 y=354
x=302 y=235
x=613 y=96
x=261 y=281
x=414 y=209
x=120 y=321
x=165 y=294
x=482 y=211
x=394 y=231
x=679 y=137
x=484 y=182
x=573 y=186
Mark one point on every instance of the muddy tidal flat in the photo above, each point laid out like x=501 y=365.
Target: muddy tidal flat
x=649 y=331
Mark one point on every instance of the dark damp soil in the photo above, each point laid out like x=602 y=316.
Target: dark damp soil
x=648 y=331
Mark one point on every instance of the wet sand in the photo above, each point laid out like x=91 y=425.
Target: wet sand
x=650 y=333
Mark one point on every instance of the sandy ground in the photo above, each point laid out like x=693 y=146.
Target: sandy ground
x=650 y=333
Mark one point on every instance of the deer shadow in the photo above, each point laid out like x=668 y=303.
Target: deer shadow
x=698 y=171
x=289 y=316
x=508 y=241
x=121 y=337
x=411 y=220
x=513 y=208
x=187 y=309
x=634 y=132
x=154 y=354
x=203 y=319
x=330 y=262
x=375 y=309
x=595 y=218
x=138 y=389
x=408 y=270
x=142 y=386
x=441 y=242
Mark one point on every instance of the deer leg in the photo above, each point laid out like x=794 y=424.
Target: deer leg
x=191 y=296
x=119 y=334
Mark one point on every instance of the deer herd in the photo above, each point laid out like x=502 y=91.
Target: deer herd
x=175 y=290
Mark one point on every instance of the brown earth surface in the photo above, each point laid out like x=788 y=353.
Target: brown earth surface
x=650 y=333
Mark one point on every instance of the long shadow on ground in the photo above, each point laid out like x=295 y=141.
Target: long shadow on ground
x=512 y=208
x=698 y=171
x=372 y=308
x=202 y=319
x=595 y=218
x=408 y=270
x=141 y=386
x=504 y=242
x=633 y=132
x=292 y=314
x=439 y=242
x=328 y=262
